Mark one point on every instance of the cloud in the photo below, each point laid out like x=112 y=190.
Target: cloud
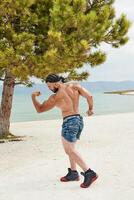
x=119 y=65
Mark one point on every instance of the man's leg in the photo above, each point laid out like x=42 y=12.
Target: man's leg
x=69 y=148
x=72 y=163
x=89 y=175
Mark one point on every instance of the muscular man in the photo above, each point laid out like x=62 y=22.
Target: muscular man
x=66 y=98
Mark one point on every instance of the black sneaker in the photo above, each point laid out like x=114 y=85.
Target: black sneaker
x=89 y=177
x=72 y=175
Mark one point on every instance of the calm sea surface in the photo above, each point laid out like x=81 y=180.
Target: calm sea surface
x=23 y=110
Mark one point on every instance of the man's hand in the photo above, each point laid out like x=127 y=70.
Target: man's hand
x=90 y=112
x=37 y=105
x=35 y=94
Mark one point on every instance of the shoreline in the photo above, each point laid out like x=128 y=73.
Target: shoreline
x=60 y=119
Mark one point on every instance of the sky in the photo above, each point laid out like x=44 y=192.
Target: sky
x=119 y=65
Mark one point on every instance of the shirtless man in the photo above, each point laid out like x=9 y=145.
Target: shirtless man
x=66 y=98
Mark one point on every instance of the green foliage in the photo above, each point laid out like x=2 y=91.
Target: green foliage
x=38 y=37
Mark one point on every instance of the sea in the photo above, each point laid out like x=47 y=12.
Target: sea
x=104 y=104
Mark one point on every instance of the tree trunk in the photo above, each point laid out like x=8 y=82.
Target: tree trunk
x=6 y=104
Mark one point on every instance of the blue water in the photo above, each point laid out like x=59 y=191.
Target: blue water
x=23 y=109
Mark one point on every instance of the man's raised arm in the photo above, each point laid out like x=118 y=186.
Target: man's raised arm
x=45 y=106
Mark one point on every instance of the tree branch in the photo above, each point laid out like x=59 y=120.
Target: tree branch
x=1 y=79
x=18 y=83
x=29 y=84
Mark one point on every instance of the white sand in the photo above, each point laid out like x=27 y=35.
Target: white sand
x=129 y=93
x=30 y=170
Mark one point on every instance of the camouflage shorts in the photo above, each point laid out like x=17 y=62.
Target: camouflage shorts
x=72 y=127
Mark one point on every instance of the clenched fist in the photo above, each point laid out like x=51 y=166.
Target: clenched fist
x=35 y=94
x=90 y=112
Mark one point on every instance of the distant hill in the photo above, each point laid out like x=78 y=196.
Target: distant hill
x=105 y=86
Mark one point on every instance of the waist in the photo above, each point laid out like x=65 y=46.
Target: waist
x=70 y=116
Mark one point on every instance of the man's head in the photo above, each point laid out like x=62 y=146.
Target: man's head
x=54 y=81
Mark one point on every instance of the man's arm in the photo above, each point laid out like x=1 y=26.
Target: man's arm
x=45 y=106
x=85 y=93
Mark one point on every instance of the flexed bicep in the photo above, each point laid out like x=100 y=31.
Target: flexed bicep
x=48 y=104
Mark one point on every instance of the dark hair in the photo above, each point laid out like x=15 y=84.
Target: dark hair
x=53 y=78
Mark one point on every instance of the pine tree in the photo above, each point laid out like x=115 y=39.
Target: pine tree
x=38 y=37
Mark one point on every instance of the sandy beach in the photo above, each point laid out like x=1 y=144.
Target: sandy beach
x=31 y=169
